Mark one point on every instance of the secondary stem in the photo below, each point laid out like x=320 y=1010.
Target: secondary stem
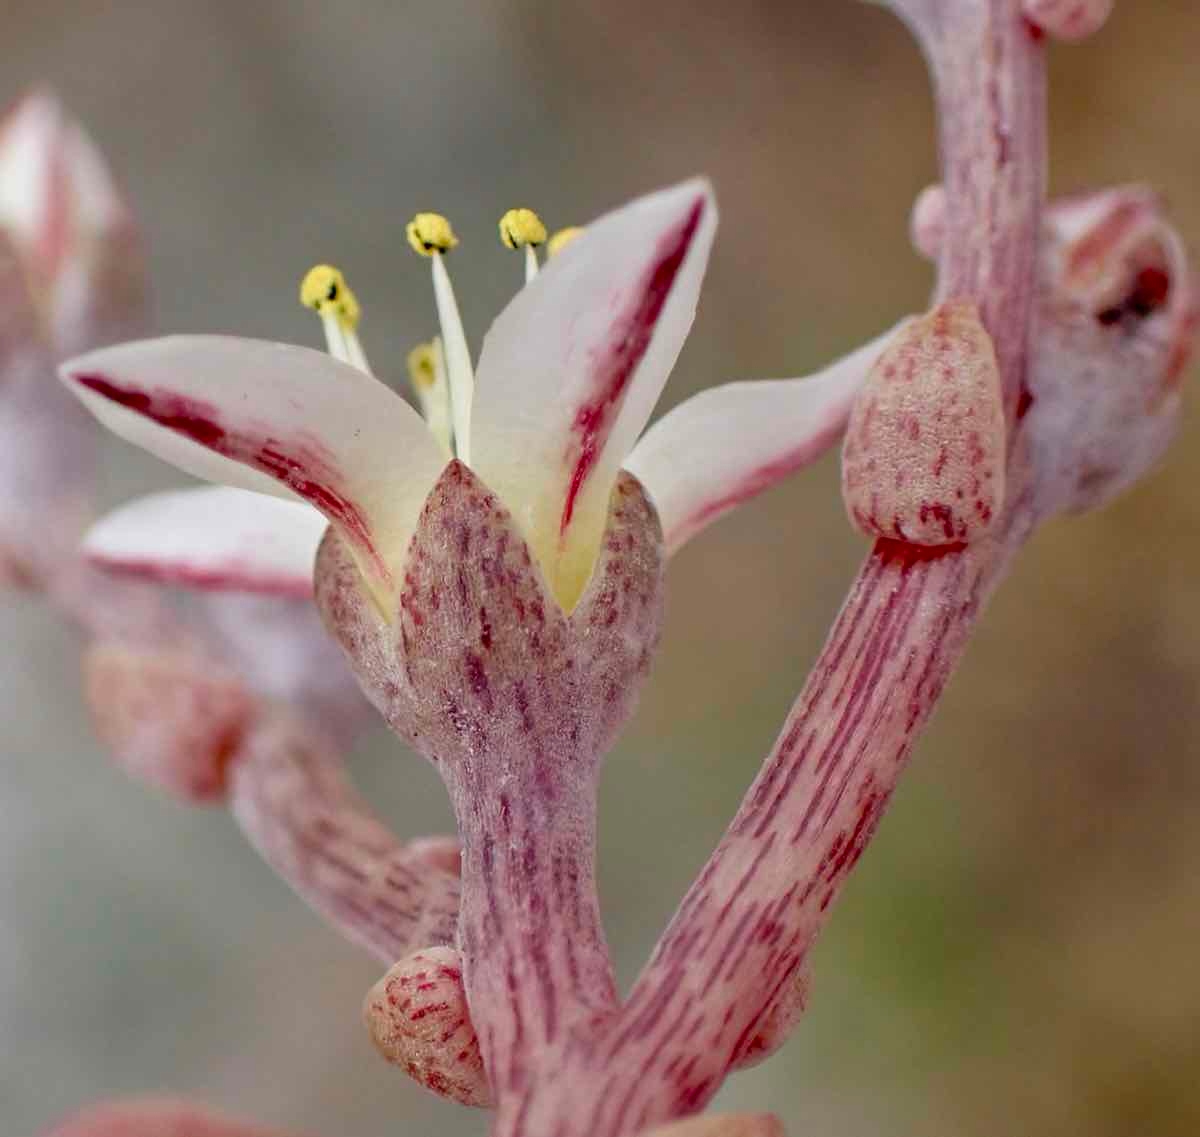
x=988 y=70
x=535 y=959
x=746 y=925
x=292 y=799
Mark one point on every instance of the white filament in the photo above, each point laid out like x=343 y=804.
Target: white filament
x=459 y=373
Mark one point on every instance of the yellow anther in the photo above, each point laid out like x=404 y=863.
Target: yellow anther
x=422 y=366
x=325 y=291
x=521 y=227
x=430 y=233
x=563 y=238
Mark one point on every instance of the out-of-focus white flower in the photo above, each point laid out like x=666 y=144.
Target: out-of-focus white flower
x=70 y=227
x=71 y=276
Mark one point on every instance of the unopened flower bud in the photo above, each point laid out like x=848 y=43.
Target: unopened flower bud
x=1114 y=334
x=69 y=222
x=1068 y=19
x=924 y=455
x=927 y=222
x=167 y=718
x=418 y=1019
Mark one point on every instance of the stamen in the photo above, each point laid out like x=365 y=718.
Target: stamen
x=430 y=233
x=523 y=229
x=427 y=373
x=325 y=291
x=563 y=238
x=431 y=236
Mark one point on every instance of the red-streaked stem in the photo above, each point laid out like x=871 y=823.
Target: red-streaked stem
x=291 y=797
x=747 y=924
x=989 y=76
x=529 y=928
x=288 y=789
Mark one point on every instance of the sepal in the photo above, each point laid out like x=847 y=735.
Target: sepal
x=479 y=656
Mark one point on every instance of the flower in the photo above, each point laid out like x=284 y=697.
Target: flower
x=1068 y=19
x=67 y=224
x=1113 y=343
x=1115 y=323
x=566 y=380
x=70 y=277
x=177 y=691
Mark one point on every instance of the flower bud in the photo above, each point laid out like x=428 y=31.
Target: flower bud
x=71 y=277
x=924 y=454
x=1115 y=327
x=167 y=717
x=418 y=1019
x=1068 y=19
x=927 y=222
x=71 y=227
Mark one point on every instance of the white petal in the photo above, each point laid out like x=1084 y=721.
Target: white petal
x=727 y=444
x=97 y=200
x=261 y=415
x=572 y=368
x=211 y=538
x=55 y=187
x=33 y=184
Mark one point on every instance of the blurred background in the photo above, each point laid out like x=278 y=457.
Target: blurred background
x=1017 y=952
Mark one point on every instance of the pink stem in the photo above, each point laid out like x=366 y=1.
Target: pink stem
x=746 y=926
x=529 y=931
x=288 y=790
x=290 y=796
x=989 y=80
